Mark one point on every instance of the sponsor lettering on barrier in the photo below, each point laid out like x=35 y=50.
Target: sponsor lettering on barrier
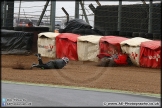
x=49 y=47
x=134 y=55
x=157 y=57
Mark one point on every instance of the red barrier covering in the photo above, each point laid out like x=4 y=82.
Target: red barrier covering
x=111 y=44
x=122 y=59
x=66 y=46
x=150 y=54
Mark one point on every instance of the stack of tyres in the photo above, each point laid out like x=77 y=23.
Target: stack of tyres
x=122 y=34
x=142 y=34
x=138 y=17
x=42 y=29
x=156 y=18
x=125 y=21
x=156 y=36
x=135 y=34
x=18 y=28
x=107 y=33
x=133 y=18
x=106 y=18
x=129 y=34
x=149 y=36
x=103 y=32
x=99 y=18
x=8 y=28
x=114 y=33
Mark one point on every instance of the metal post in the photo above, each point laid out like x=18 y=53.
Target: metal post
x=19 y=13
x=4 y=13
x=150 y=17
x=46 y=16
x=76 y=9
x=119 y=15
x=67 y=15
x=42 y=14
x=98 y=2
x=92 y=8
x=24 y=14
x=86 y=18
x=143 y=1
x=52 y=18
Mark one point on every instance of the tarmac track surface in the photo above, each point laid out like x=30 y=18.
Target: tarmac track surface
x=36 y=95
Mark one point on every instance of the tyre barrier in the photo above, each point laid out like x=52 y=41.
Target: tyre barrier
x=149 y=36
x=29 y=29
x=8 y=28
x=40 y=29
x=156 y=36
x=4 y=28
x=142 y=34
x=122 y=34
x=103 y=32
x=18 y=28
x=86 y=32
x=135 y=34
x=115 y=33
x=107 y=33
x=129 y=34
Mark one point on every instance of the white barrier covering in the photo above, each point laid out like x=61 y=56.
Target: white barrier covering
x=88 y=47
x=132 y=48
x=46 y=44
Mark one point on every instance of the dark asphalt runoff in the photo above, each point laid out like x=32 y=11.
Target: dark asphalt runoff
x=34 y=95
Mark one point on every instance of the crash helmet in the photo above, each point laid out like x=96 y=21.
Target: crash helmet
x=65 y=59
